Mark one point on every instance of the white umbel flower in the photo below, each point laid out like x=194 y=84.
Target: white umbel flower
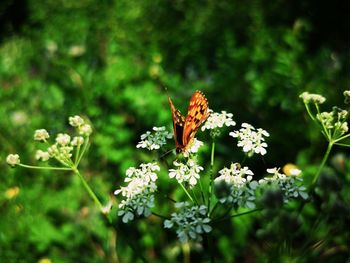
x=138 y=194
x=155 y=139
x=188 y=172
x=250 y=139
x=218 y=120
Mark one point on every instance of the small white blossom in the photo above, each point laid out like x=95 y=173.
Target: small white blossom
x=193 y=147
x=288 y=184
x=188 y=172
x=314 y=98
x=41 y=135
x=138 y=193
x=76 y=121
x=63 y=139
x=250 y=139
x=190 y=222
x=235 y=186
x=78 y=140
x=41 y=155
x=85 y=129
x=13 y=159
x=154 y=140
x=218 y=120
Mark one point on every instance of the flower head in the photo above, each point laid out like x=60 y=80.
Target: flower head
x=13 y=159
x=288 y=184
x=85 y=129
x=250 y=139
x=41 y=155
x=154 y=140
x=218 y=120
x=238 y=185
x=138 y=193
x=41 y=135
x=313 y=98
x=76 y=121
x=63 y=139
x=77 y=140
x=188 y=172
x=347 y=96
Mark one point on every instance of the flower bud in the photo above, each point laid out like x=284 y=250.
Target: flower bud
x=13 y=159
x=41 y=135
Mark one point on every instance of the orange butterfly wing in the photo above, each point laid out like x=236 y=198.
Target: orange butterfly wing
x=196 y=115
x=186 y=129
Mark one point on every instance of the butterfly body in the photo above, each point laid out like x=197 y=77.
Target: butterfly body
x=186 y=128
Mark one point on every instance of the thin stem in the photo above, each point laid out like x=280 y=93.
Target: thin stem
x=91 y=193
x=309 y=111
x=194 y=196
x=342 y=144
x=83 y=151
x=212 y=154
x=211 y=173
x=158 y=215
x=342 y=138
x=45 y=167
x=77 y=155
x=240 y=214
x=214 y=208
x=324 y=160
x=202 y=192
x=188 y=194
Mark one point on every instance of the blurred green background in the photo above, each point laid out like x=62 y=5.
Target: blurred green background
x=109 y=61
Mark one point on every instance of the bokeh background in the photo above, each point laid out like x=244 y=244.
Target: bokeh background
x=110 y=61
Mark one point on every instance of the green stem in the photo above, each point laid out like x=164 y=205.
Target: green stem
x=202 y=192
x=188 y=194
x=324 y=160
x=91 y=193
x=309 y=111
x=211 y=174
x=86 y=143
x=212 y=154
x=45 y=167
x=342 y=138
x=237 y=215
x=160 y=216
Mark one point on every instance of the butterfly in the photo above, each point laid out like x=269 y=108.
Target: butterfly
x=186 y=128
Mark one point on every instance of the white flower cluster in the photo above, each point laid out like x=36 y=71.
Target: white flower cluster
x=218 y=120
x=288 y=184
x=313 y=98
x=241 y=188
x=190 y=223
x=153 y=141
x=138 y=194
x=188 y=172
x=250 y=139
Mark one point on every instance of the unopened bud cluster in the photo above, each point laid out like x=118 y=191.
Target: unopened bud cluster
x=63 y=148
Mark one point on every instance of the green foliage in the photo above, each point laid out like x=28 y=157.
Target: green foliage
x=110 y=61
